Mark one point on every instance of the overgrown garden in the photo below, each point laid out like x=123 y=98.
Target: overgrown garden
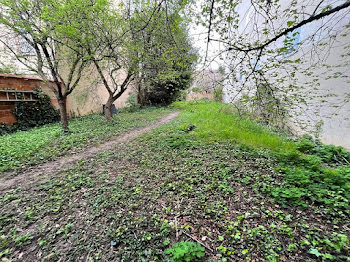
x=220 y=182
x=179 y=194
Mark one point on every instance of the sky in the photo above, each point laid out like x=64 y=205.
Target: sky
x=199 y=35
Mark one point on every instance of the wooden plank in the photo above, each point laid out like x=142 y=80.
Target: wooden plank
x=13 y=100
x=17 y=91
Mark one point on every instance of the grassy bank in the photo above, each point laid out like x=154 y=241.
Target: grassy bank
x=235 y=196
x=219 y=122
x=25 y=148
x=311 y=170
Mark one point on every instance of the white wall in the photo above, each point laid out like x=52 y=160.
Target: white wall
x=335 y=113
x=7 y=59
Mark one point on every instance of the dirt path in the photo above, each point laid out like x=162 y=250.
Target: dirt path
x=17 y=179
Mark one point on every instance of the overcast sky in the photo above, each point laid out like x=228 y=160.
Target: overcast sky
x=199 y=35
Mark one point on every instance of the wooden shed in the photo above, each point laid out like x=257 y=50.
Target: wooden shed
x=19 y=88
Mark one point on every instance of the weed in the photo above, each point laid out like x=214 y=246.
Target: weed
x=23 y=240
x=185 y=251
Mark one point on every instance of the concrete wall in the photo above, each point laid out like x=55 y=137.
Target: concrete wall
x=7 y=59
x=192 y=96
x=204 y=85
x=87 y=98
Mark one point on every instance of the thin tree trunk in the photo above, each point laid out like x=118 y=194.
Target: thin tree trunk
x=140 y=95
x=62 y=102
x=108 y=108
x=141 y=92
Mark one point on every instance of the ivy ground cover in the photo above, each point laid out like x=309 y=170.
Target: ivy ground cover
x=179 y=194
x=45 y=143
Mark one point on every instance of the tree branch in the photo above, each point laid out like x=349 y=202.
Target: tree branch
x=291 y=29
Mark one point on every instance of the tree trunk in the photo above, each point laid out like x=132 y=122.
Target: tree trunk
x=141 y=97
x=108 y=108
x=62 y=102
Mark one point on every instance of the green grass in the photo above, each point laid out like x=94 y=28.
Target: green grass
x=312 y=172
x=218 y=122
x=44 y=143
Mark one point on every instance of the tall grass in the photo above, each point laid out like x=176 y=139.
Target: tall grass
x=219 y=122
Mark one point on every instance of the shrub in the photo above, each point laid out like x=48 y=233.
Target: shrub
x=315 y=173
x=131 y=103
x=218 y=93
x=164 y=92
x=330 y=154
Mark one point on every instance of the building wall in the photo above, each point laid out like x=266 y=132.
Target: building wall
x=7 y=59
x=88 y=97
x=192 y=96
x=6 y=116
x=205 y=83
x=332 y=113
x=90 y=94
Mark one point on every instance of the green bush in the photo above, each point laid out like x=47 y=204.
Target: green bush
x=131 y=103
x=7 y=129
x=330 y=154
x=218 y=93
x=185 y=251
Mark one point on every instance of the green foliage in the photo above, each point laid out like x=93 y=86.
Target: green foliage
x=164 y=92
x=219 y=122
x=307 y=178
x=329 y=248
x=40 y=113
x=7 y=129
x=185 y=251
x=32 y=114
x=258 y=53
x=52 y=31
x=132 y=104
x=168 y=56
x=218 y=93
x=139 y=196
x=329 y=154
x=312 y=172
x=5 y=69
x=47 y=142
x=23 y=240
